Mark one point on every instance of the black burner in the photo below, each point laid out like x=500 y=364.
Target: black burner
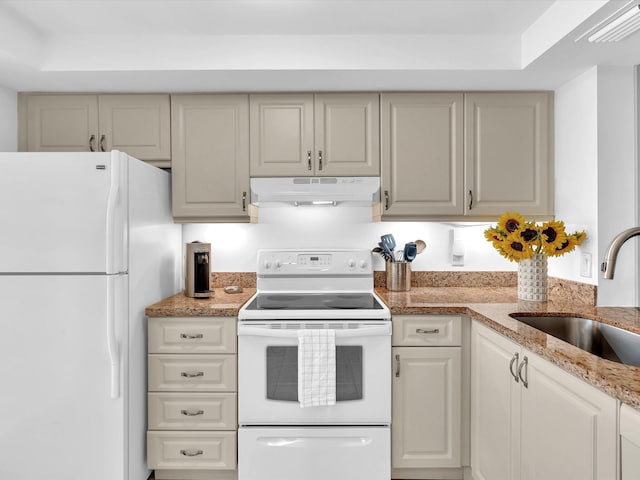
x=314 y=301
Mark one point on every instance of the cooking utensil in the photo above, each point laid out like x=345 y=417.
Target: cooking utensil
x=382 y=252
x=410 y=251
x=420 y=246
x=389 y=242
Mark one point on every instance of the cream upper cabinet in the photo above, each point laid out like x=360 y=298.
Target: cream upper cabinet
x=322 y=134
x=466 y=155
x=136 y=124
x=60 y=123
x=210 y=151
x=533 y=420
x=508 y=164
x=422 y=154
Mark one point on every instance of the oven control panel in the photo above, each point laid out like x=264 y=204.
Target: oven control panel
x=314 y=262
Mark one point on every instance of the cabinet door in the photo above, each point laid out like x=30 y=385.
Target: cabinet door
x=210 y=157
x=422 y=154
x=508 y=153
x=136 y=124
x=568 y=428
x=495 y=406
x=629 y=443
x=281 y=135
x=347 y=134
x=62 y=123
x=425 y=426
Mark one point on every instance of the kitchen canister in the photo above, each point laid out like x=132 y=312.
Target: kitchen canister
x=398 y=276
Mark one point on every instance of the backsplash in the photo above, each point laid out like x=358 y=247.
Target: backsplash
x=559 y=289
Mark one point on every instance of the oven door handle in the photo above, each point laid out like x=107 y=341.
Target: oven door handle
x=377 y=331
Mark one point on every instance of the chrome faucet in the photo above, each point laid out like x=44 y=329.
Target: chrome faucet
x=609 y=262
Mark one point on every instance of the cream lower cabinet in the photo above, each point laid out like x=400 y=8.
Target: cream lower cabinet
x=210 y=151
x=629 y=443
x=532 y=420
x=322 y=134
x=427 y=393
x=138 y=125
x=192 y=399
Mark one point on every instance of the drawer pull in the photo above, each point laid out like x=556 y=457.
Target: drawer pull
x=428 y=332
x=191 y=453
x=191 y=336
x=192 y=413
x=192 y=374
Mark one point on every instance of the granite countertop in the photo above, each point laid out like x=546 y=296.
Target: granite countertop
x=489 y=305
x=220 y=304
x=492 y=307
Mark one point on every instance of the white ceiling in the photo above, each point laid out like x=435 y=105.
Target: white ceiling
x=251 y=45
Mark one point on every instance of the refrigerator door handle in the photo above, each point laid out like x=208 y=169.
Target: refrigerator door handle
x=114 y=241
x=112 y=342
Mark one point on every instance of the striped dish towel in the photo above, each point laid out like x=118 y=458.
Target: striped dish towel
x=316 y=367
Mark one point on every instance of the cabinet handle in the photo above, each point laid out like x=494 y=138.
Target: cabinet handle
x=470 y=199
x=102 y=139
x=319 y=159
x=514 y=359
x=92 y=139
x=427 y=332
x=191 y=375
x=244 y=201
x=191 y=453
x=192 y=413
x=309 y=167
x=386 y=199
x=191 y=336
x=525 y=381
x=397 y=365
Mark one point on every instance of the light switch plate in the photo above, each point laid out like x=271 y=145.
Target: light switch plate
x=585 y=264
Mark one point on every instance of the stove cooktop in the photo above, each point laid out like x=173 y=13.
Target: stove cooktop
x=314 y=301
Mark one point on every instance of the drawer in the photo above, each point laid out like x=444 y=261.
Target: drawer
x=191 y=450
x=427 y=330
x=192 y=411
x=192 y=373
x=192 y=335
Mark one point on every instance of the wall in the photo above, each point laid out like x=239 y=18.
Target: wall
x=8 y=120
x=617 y=179
x=234 y=246
x=576 y=171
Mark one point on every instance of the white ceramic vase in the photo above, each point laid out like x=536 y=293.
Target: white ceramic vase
x=532 y=278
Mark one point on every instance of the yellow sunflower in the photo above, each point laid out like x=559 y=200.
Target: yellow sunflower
x=510 y=222
x=553 y=236
x=495 y=236
x=514 y=248
x=572 y=241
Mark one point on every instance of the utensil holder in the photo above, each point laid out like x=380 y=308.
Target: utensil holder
x=398 y=276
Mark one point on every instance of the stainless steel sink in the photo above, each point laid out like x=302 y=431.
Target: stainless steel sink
x=600 y=339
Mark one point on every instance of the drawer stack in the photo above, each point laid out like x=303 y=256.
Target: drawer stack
x=192 y=397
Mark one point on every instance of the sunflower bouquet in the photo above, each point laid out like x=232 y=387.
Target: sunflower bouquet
x=516 y=239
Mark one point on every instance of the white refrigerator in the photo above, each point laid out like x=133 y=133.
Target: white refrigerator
x=86 y=242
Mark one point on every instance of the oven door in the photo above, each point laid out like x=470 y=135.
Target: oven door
x=268 y=374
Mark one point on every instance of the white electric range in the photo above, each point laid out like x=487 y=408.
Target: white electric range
x=298 y=290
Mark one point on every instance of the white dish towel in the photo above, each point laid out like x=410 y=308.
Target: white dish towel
x=316 y=367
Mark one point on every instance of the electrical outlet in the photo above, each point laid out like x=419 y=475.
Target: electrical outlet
x=585 y=265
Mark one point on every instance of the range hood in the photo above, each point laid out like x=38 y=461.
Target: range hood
x=306 y=191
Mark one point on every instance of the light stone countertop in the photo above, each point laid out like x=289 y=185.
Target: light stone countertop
x=489 y=305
